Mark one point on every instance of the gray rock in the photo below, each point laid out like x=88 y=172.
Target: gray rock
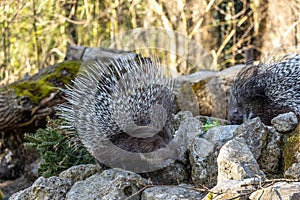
x=172 y=174
x=263 y=141
x=203 y=153
x=280 y=190
x=91 y=53
x=80 y=172
x=25 y=194
x=254 y=134
x=181 y=116
x=220 y=134
x=171 y=193
x=233 y=189
x=285 y=123
x=185 y=98
x=203 y=161
x=269 y=161
x=189 y=128
x=53 y=188
x=211 y=89
x=110 y=184
x=236 y=162
x=294 y=170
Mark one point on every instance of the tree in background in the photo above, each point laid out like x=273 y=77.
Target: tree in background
x=35 y=33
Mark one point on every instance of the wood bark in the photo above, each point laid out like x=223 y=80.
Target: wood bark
x=19 y=111
x=19 y=114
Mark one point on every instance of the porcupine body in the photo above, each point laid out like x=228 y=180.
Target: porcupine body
x=125 y=102
x=266 y=90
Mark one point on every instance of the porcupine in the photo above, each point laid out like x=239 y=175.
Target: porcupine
x=128 y=102
x=266 y=90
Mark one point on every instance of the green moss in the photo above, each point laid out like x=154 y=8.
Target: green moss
x=210 y=124
x=37 y=90
x=69 y=67
x=291 y=147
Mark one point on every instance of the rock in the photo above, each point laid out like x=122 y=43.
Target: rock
x=233 y=189
x=220 y=134
x=171 y=193
x=90 y=53
x=203 y=154
x=53 y=188
x=172 y=174
x=211 y=89
x=80 y=172
x=236 y=162
x=219 y=90
x=254 y=134
x=291 y=148
x=285 y=123
x=294 y=170
x=280 y=190
x=110 y=184
x=185 y=98
x=180 y=116
x=203 y=161
x=189 y=128
x=270 y=159
x=25 y=194
x=263 y=141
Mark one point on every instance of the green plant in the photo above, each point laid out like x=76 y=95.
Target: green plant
x=209 y=124
x=58 y=148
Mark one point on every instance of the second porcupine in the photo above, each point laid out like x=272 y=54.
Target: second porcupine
x=266 y=90
x=128 y=102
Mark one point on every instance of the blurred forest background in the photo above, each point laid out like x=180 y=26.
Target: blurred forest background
x=36 y=33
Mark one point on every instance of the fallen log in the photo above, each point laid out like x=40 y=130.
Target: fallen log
x=25 y=104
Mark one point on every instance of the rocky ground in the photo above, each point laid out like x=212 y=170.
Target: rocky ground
x=226 y=162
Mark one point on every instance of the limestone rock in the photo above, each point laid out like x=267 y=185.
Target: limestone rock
x=280 y=190
x=189 y=128
x=294 y=170
x=233 y=189
x=80 y=172
x=269 y=161
x=172 y=174
x=203 y=161
x=171 y=193
x=285 y=123
x=254 y=134
x=236 y=162
x=53 y=188
x=220 y=134
x=110 y=184
x=211 y=89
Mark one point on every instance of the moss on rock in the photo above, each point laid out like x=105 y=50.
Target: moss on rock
x=64 y=72
x=291 y=147
x=36 y=90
